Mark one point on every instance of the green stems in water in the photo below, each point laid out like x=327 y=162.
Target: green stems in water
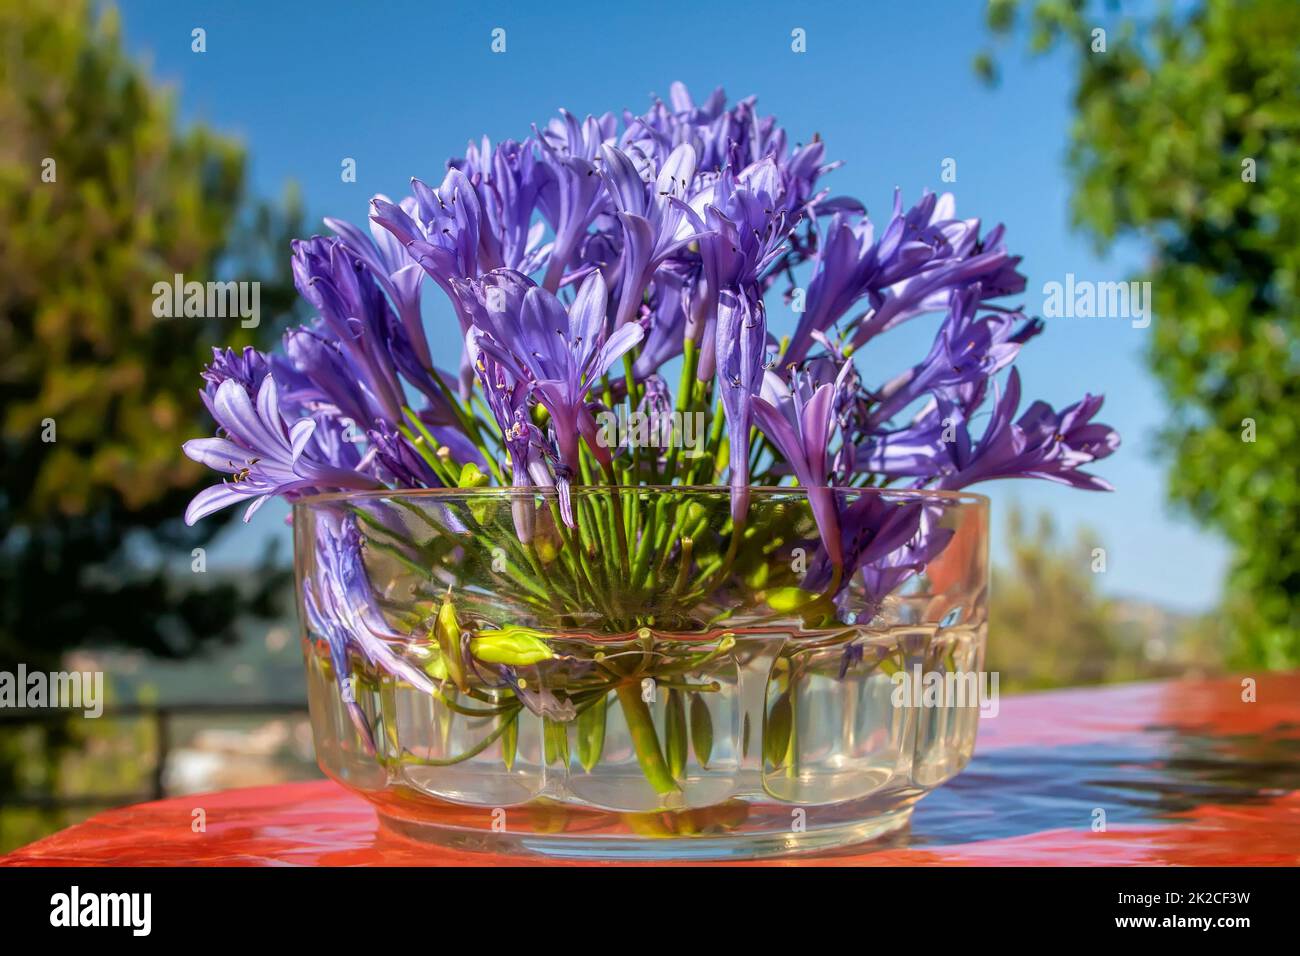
x=644 y=739
x=506 y=722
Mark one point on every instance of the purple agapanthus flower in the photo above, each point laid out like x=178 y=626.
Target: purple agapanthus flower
x=872 y=529
x=439 y=228
x=741 y=349
x=561 y=353
x=583 y=264
x=665 y=315
x=800 y=421
x=341 y=608
x=247 y=367
x=883 y=574
x=573 y=195
x=358 y=317
x=266 y=456
x=656 y=223
x=527 y=450
x=538 y=699
x=921 y=258
x=1042 y=443
x=966 y=350
x=508 y=179
x=394 y=269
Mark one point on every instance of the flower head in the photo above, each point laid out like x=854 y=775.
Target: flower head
x=741 y=347
x=560 y=352
x=265 y=454
x=1042 y=443
x=799 y=420
x=580 y=262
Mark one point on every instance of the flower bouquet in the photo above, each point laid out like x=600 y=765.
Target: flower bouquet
x=632 y=575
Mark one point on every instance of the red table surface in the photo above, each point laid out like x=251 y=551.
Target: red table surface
x=1187 y=771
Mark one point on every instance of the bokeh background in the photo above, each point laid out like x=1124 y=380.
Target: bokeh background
x=1164 y=148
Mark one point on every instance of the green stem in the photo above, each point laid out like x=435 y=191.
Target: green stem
x=644 y=739
x=685 y=393
x=478 y=748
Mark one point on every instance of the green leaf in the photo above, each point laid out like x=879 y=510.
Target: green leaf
x=555 y=740
x=510 y=741
x=701 y=729
x=776 y=735
x=591 y=733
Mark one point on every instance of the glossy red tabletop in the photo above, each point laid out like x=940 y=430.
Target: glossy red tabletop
x=1187 y=772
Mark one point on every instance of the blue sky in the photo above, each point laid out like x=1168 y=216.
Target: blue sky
x=401 y=86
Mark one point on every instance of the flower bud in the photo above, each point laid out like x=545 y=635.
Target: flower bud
x=446 y=630
x=811 y=607
x=471 y=476
x=516 y=646
x=788 y=599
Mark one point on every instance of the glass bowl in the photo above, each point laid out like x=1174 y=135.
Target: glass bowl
x=643 y=673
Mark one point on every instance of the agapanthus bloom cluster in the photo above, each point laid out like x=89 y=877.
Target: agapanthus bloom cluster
x=634 y=263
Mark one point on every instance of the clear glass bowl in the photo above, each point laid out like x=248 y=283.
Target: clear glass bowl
x=653 y=682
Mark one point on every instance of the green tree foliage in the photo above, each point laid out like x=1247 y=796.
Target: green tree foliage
x=83 y=359
x=1187 y=137
x=1049 y=626
x=100 y=198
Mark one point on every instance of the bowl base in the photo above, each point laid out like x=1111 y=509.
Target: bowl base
x=633 y=847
